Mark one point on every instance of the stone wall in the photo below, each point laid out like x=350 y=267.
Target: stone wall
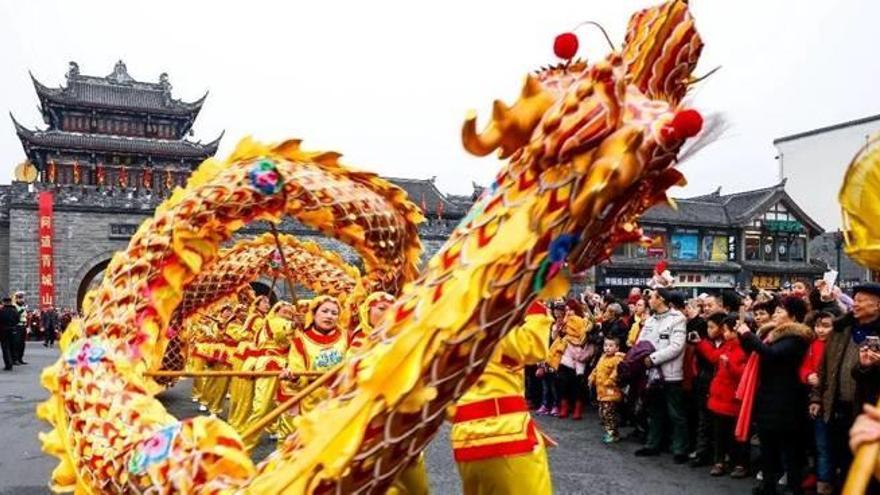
x=4 y=258
x=81 y=241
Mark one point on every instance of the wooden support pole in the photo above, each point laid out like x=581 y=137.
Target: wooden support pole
x=284 y=406
x=230 y=373
x=283 y=263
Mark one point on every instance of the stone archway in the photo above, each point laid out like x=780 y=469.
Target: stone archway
x=89 y=274
x=90 y=280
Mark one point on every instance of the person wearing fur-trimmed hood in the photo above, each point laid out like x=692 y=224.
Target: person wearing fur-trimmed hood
x=778 y=405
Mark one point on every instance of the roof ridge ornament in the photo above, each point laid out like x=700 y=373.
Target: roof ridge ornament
x=73 y=70
x=164 y=83
x=120 y=74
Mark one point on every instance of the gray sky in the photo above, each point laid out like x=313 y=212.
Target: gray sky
x=388 y=83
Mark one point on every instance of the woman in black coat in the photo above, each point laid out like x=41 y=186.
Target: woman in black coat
x=780 y=405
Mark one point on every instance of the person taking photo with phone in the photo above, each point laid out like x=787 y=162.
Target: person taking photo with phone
x=849 y=373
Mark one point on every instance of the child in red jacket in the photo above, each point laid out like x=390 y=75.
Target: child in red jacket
x=823 y=324
x=730 y=361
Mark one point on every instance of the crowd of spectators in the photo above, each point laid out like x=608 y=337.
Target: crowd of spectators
x=759 y=383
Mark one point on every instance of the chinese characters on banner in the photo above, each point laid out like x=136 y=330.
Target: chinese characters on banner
x=46 y=262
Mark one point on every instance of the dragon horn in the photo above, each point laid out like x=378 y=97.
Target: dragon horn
x=479 y=144
x=511 y=127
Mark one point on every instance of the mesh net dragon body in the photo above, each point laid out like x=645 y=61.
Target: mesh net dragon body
x=304 y=263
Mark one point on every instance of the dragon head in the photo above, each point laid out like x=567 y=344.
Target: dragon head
x=568 y=108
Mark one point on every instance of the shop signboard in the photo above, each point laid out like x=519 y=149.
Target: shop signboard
x=714 y=280
x=684 y=246
x=783 y=226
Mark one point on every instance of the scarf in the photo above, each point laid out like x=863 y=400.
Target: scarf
x=745 y=392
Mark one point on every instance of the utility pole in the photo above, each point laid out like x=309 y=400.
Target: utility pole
x=838 y=243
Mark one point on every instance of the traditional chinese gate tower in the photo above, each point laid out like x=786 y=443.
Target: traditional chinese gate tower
x=113 y=148
x=114 y=132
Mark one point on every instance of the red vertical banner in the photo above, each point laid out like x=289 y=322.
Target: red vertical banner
x=46 y=262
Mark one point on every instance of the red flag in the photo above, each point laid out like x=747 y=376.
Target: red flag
x=46 y=263
x=745 y=392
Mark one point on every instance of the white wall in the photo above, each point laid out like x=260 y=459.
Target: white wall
x=815 y=165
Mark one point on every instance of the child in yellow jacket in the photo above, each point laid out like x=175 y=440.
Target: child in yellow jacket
x=604 y=378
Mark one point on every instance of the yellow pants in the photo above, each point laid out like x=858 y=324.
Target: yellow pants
x=197 y=364
x=284 y=426
x=264 y=401
x=214 y=390
x=241 y=397
x=526 y=474
x=413 y=480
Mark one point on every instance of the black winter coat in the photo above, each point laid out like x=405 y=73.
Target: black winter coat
x=780 y=399
x=705 y=370
x=8 y=319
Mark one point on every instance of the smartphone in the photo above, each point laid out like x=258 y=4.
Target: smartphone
x=872 y=342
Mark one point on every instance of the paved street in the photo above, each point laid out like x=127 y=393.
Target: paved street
x=581 y=464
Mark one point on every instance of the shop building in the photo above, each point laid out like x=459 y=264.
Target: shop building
x=752 y=239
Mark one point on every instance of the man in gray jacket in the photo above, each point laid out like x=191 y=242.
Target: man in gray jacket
x=666 y=330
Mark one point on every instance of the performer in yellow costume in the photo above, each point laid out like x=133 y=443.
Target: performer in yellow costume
x=495 y=441
x=269 y=354
x=321 y=345
x=413 y=480
x=241 y=389
x=199 y=334
x=217 y=354
x=369 y=315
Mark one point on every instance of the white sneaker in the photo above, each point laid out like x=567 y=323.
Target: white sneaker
x=202 y=408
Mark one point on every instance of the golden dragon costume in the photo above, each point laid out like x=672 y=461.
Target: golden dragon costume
x=589 y=148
